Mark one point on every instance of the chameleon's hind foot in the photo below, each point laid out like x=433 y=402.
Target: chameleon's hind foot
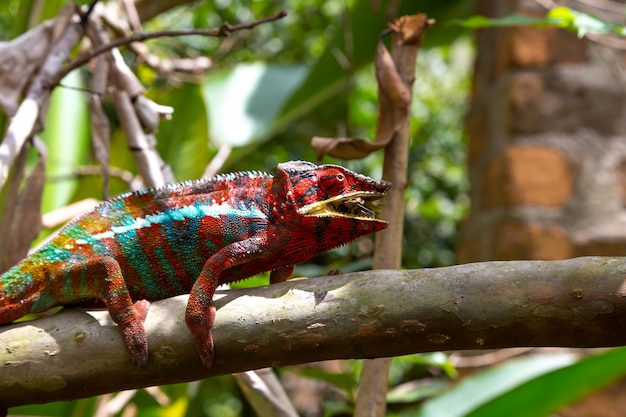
x=134 y=333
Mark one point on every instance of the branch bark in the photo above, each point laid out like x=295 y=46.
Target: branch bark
x=579 y=302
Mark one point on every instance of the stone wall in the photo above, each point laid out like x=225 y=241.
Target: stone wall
x=547 y=144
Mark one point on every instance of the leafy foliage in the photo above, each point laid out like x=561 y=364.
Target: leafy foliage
x=562 y=17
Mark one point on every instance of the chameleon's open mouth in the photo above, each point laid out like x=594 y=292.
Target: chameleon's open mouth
x=361 y=206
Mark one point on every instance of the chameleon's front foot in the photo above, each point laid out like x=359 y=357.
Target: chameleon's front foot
x=200 y=324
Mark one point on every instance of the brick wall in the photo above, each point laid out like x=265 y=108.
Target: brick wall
x=547 y=145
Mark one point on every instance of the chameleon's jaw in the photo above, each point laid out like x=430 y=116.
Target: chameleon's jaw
x=358 y=205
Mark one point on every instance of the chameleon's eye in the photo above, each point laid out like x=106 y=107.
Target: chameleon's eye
x=332 y=182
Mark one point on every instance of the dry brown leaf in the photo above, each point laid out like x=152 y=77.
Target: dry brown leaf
x=100 y=126
x=394 y=96
x=393 y=100
x=21 y=57
x=411 y=28
x=21 y=222
x=344 y=148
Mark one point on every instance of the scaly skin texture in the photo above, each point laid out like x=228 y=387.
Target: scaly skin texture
x=191 y=237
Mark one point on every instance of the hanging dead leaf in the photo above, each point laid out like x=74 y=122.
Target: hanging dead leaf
x=345 y=148
x=394 y=95
x=21 y=221
x=100 y=126
x=21 y=57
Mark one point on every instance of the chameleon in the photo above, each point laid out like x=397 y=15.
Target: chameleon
x=191 y=237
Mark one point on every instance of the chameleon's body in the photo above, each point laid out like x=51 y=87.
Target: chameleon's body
x=190 y=238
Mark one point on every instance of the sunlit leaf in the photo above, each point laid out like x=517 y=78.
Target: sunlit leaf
x=243 y=102
x=514 y=19
x=581 y=23
x=183 y=140
x=482 y=388
x=438 y=360
x=345 y=381
x=67 y=138
x=531 y=387
x=563 y=17
x=557 y=388
x=413 y=392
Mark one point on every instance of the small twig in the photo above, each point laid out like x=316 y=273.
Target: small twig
x=607 y=6
x=131 y=180
x=611 y=42
x=224 y=30
x=84 y=17
x=546 y=4
x=487 y=359
x=218 y=161
x=614 y=66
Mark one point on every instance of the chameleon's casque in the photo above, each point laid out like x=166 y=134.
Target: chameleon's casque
x=190 y=238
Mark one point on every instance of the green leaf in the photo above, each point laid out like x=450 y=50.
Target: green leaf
x=67 y=138
x=531 y=387
x=563 y=386
x=417 y=391
x=515 y=19
x=563 y=17
x=579 y=22
x=243 y=102
x=183 y=140
x=344 y=381
x=483 y=388
x=438 y=360
x=327 y=77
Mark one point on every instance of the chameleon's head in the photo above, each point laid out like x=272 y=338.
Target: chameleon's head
x=333 y=192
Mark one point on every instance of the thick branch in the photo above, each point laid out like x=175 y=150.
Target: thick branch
x=579 y=302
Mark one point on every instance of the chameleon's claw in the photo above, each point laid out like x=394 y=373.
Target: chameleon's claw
x=206 y=350
x=200 y=321
x=203 y=340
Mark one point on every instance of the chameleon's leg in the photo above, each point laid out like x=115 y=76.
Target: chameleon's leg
x=113 y=291
x=200 y=313
x=281 y=274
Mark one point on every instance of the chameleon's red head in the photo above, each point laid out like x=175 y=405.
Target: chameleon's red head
x=332 y=191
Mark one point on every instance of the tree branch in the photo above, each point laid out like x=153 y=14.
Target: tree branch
x=224 y=30
x=579 y=303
